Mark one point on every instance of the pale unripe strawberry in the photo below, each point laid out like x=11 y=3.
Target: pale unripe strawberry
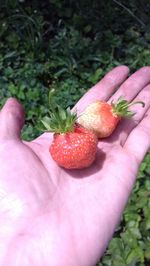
x=102 y=117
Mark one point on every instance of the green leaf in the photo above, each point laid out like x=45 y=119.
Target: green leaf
x=46 y=122
x=135 y=255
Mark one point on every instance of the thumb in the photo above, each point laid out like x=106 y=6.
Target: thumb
x=11 y=119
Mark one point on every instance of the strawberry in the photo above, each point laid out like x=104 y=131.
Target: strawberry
x=73 y=146
x=102 y=117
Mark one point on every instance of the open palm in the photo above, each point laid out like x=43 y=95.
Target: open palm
x=51 y=216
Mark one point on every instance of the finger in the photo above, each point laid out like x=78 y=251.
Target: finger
x=126 y=125
x=103 y=89
x=133 y=85
x=11 y=119
x=138 y=141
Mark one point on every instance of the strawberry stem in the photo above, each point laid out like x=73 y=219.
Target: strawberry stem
x=51 y=102
x=121 y=107
x=137 y=102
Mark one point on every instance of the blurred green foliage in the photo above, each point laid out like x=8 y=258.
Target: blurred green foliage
x=69 y=46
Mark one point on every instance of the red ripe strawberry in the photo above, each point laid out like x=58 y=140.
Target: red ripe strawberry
x=73 y=146
x=102 y=117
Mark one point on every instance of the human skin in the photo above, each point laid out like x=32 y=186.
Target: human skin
x=55 y=217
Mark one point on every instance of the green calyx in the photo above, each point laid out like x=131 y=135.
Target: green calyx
x=121 y=107
x=60 y=120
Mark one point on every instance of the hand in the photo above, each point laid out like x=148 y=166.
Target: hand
x=55 y=217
